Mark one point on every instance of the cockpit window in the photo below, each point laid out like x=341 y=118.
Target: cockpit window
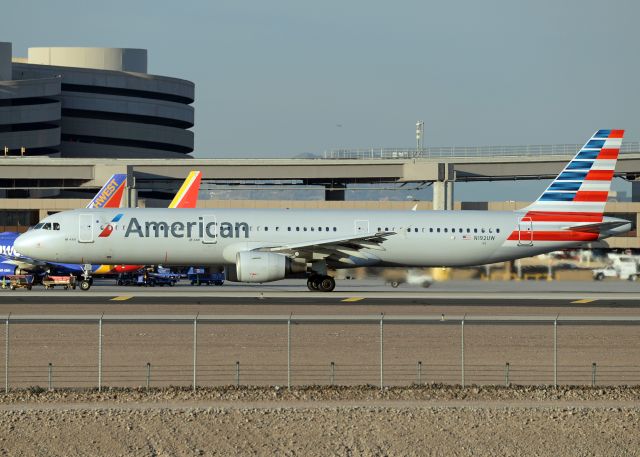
x=47 y=226
x=56 y=226
x=38 y=226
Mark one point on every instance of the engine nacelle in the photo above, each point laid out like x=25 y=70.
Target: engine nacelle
x=254 y=266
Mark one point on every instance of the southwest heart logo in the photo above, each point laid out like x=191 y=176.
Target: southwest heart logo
x=109 y=228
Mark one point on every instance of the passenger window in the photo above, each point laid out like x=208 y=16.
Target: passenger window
x=327 y=229
x=386 y=229
x=460 y=230
x=416 y=229
x=430 y=229
x=319 y=229
x=266 y=229
x=446 y=230
x=497 y=230
x=490 y=230
x=438 y=229
x=408 y=229
x=288 y=229
x=482 y=230
x=475 y=230
x=468 y=230
x=304 y=228
x=312 y=229
x=335 y=229
x=379 y=229
x=297 y=229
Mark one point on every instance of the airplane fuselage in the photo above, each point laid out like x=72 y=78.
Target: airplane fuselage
x=214 y=236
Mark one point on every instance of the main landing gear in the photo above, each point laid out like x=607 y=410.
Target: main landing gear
x=321 y=282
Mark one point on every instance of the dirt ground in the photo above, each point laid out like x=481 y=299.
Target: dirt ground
x=433 y=420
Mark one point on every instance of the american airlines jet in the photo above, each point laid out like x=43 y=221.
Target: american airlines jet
x=261 y=245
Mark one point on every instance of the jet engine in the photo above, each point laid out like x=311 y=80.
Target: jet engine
x=254 y=266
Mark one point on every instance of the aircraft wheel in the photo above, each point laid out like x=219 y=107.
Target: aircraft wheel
x=85 y=285
x=313 y=282
x=599 y=277
x=327 y=284
x=394 y=284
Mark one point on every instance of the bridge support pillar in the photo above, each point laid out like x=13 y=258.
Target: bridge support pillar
x=635 y=191
x=130 y=197
x=443 y=195
x=334 y=192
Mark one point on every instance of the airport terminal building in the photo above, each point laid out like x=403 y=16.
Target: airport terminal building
x=92 y=103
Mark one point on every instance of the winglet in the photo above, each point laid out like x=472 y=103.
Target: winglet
x=110 y=196
x=187 y=196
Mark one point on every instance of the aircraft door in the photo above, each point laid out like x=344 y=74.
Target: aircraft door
x=525 y=232
x=85 y=228
x=361 y=227
x=210 y=230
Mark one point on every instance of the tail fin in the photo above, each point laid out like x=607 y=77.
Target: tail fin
x=583 y=186
x=187 y=196
x=110 y=196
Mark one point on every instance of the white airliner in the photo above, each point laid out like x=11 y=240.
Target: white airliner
x=261 y=245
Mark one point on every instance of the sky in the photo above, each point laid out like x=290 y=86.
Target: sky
x=285 y=77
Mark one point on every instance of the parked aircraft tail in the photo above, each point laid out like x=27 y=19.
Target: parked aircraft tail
x=110 y=196
x=187 y=195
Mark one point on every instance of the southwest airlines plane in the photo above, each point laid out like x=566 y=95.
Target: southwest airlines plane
x=260 y=245
x=110 y=196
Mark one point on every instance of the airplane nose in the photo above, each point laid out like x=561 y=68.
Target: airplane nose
x=25 y=244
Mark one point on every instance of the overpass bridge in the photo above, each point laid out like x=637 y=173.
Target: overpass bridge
x=46 y=176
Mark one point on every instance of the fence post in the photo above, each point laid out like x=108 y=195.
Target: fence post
x=100 y=354
x=289 y=352
x=333 y=373
x=462 y=349
x=50 y=376
x=195 y=350
x=148 y=375
x=506 y=374
x=555 y=352
x=237 y=374
x=419 y=373
x=593 y=374
x=382 y=351
x=6 y=355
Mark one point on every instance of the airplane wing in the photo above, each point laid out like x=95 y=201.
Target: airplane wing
x=336 y=249
x=187 y=195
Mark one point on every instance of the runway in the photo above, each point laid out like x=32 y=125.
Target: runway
x=352 y=297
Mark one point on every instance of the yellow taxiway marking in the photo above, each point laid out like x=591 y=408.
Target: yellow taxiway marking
x=353 y=299
x=585 y=300
x=122 y=298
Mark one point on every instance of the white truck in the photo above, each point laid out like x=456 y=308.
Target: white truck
x=623 y=267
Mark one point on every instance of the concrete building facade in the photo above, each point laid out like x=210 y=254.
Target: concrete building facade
x=92 y=103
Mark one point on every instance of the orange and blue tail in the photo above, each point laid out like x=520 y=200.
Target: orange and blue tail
x=110 y=196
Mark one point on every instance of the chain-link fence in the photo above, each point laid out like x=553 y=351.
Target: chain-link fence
x=154 y=351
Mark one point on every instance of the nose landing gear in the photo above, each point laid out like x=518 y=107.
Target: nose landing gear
x=87 y=280
x=321 y=283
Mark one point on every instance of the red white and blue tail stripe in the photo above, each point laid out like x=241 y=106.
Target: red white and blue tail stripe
x=584 y=183
x=572 y=207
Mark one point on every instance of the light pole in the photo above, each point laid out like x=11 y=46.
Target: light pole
x=419 y=137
